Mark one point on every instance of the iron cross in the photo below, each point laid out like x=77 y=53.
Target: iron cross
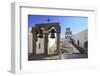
x=48 y=20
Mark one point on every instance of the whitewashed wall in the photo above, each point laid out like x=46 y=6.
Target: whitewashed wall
x=30 y=43
x=41 y=49
x=82 y=37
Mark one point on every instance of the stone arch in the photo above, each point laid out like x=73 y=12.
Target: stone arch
x=46 y=26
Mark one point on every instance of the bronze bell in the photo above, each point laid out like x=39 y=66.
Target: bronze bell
x=40 y=33
x=52 y=33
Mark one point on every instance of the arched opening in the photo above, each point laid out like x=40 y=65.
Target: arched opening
x=52 y=41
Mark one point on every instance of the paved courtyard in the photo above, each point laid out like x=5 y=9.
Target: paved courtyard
x=67 y=51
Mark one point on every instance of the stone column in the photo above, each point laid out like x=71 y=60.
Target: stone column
x=58 y=43
x=34 y=43
x=46 y=44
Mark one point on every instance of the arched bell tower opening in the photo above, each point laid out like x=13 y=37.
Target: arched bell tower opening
x=52 y=41
x=42 y=33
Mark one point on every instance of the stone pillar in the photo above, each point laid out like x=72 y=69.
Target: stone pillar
x=34 y=43
x=58 y=43
x=46 y=44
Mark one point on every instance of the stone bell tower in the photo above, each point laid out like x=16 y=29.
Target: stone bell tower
x=43 y=29
x=68 y=34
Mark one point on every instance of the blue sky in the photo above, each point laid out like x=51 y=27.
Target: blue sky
x=76 y=23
